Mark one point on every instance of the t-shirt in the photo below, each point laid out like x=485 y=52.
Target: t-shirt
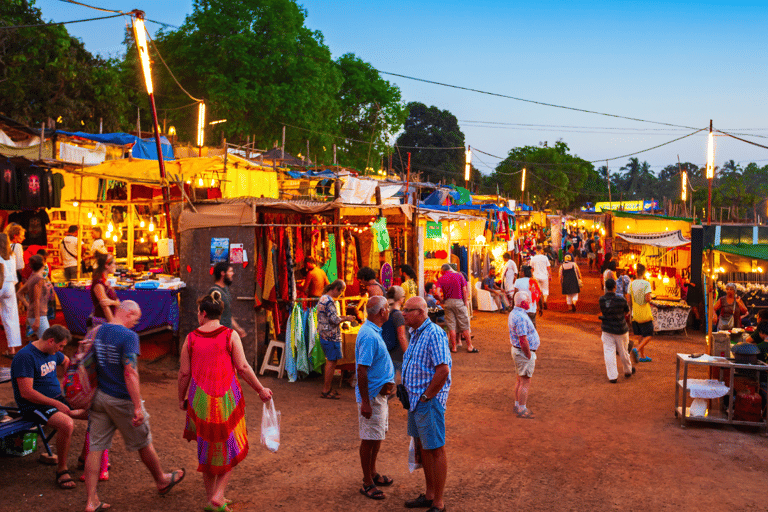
x=31 y=362
x=452 y=284
x=510 y=270
x=389 y=331
x=17 y=255
x=31 y=188
x=98 y=246
x=489 y=283
x=112 y=343
x=35 y=222
x=69 y=251
x=57 y=183
x=226 y=298
x=410 y=289
x=371 y=351
x=316 y=281
x=540 y=267
x=8 y=193
x=520 y=324
x=641 y=310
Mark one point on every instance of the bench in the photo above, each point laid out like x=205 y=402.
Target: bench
x=22 y=426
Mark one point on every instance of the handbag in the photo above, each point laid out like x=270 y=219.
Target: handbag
x=402 y=393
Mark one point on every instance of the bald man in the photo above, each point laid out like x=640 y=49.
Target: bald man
x=117 y=404
x=427 y=378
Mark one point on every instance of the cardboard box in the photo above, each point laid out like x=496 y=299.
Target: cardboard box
x=20 y=444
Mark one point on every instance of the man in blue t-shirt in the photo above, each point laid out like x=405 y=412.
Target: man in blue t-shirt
x=37 y=392
x=498 y=296
x=375 y=382
x=117 y=404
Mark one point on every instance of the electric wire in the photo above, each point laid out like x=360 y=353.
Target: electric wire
x=154 y=47
x=117 y=12
x=368 y=142
x=533 y=101
x=742 y=140
x=52 y=24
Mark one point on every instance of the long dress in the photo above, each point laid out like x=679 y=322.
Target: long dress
x=216 y=412
x=570 y=285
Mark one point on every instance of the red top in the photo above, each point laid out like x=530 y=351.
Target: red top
x=452 y=284
x=98 y=311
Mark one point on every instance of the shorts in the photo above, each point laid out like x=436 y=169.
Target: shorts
x=591 y=256
x=109 y=414
x=44 y=325
x=523 y=365
x=427 y=422
x=70 y=273
x=644 y=329
x=456 y=316
x=40 y=412
x=331 y=349
x=544 y=286
x=375 y=427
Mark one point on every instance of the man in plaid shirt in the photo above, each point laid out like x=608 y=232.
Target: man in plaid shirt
x=427 y=378
x=525 y=342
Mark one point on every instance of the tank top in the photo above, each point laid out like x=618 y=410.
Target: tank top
x=9 y=270
x=98 y=311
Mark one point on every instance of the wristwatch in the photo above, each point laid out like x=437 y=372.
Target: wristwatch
x=424 y=398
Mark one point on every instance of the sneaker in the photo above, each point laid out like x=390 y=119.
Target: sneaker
x=419 y=502
x=613 y=381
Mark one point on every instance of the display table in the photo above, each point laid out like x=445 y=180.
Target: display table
x=707 y=389
x=348 y=340
x=159 y=308
x=669 y=315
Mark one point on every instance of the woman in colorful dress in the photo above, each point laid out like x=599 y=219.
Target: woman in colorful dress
x=211 y=359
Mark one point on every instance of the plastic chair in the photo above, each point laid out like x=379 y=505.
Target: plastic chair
x=485 y=301
x=266 y=364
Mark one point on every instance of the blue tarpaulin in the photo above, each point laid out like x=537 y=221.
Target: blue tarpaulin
x=142 y=148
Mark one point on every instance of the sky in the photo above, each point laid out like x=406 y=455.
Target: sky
x=677 y=62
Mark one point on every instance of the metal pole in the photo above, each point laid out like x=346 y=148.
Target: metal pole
x=408 y=179
x=709 y=191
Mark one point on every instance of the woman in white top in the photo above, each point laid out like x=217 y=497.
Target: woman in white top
x=15 y=237
x=9 y=307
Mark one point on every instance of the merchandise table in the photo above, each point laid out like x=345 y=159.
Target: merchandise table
x=669 y=315
x=710 y=389
x=159 y=308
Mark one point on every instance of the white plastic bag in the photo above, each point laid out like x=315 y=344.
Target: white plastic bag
x=412 y=464
x=270 y=426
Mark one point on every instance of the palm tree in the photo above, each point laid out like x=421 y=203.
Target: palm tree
x=631 y=179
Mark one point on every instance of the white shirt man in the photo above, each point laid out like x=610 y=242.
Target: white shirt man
x=541 y=272
x=508 y=276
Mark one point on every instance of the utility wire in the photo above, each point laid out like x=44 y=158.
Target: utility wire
x=59 y=22
x=110 y=10
x=367 y=141
x=532 y=101
x=152 y=42
x=742 y=140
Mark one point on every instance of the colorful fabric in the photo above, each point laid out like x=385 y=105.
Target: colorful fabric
x=328 y=319
x=427 y=349
x=300 y=342
x=641 y=310
x=290 y=357
x=410 y=289
x=330 y=266
x=216 y=412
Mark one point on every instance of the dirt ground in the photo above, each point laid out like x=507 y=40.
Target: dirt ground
x=592 y=445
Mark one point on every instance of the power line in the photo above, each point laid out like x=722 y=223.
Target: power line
x=59 y=22
x=649 y=149
x=532 y=101
x=152 y=42
x=368 y=142
x=742 y=140
x=117 y=12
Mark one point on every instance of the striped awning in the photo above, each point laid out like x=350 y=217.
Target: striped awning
x=664 y=239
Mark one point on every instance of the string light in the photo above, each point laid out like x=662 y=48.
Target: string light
x=151 y=226
x=200 y=182
x=141 y=224
x=155 y=238
x=93 y=221
x=114 y=238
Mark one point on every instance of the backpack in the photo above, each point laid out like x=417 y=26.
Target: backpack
x=80 y=382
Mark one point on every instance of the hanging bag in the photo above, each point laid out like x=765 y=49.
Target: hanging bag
x=80 y=382
x=270 y=426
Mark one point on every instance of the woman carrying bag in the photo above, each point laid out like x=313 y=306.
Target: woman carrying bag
x=570 y=281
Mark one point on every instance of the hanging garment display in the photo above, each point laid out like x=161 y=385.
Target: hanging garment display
x=8 y=183
x=381 y=234
x=330 y=267
x=269 y=274
x=298 y=325
x=290 y=350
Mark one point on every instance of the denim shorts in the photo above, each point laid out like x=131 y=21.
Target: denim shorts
x=427 y=422
x=332 y=349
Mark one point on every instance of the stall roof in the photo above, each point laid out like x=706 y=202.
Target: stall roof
x=663 y=239
x=752 y=251
x=142 y=148
x=647 y=216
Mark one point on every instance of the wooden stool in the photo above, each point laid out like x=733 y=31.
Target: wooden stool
x=267 y=363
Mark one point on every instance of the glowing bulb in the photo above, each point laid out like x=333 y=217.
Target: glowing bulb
x=665 y=280
x=110 y=227
x=200 y=182
x=710 y=156
x=760 y=269
x=90 y=215
x=141 y=224
x=189 y=182
x=93 y=221
x=75 y=204
x=114 y=238
x=151 y=227
x=213 y=183
x=141 y=239
x=155 y=238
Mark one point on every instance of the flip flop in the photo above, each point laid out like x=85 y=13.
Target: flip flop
x=526 y=414
x=165 y=490
x=8 y=355
x=382 y=480
x=329 y=396
x=473 y=351
x=102 y=506
x=68 y=479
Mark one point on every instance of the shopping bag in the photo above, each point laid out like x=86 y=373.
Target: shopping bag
x=80 y=381
x=270 y=426
x=412 y=464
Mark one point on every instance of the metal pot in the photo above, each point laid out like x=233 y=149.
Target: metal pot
x=745 y=353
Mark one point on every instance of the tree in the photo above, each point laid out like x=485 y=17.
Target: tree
x=429 y=127
x=47 y=74
x=259 y=67
x=371 y=110
x=554 y=178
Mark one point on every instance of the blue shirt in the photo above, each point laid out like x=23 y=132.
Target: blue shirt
x=520 y=325
x=31 y=362
x=622 y=285
x=427 y=349
x=371 y=351
x=112 y=343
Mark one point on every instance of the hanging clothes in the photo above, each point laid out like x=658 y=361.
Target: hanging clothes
x=269 y=274
x=298 y=323
x=290 y=350
x=331 y=266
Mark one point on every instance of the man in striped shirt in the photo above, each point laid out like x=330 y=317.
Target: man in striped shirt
x=427 y=378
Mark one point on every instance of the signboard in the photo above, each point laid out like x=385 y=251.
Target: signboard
x=434 y=230
x=639 y=205
x=219 y=250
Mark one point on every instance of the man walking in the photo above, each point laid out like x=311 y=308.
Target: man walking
x=615 y=332
x=427 y=379
x=375 y=382
x=38 y=393
x=456 y=305
x=117 y=404
x=525 y=343
x=223 y=273
x=508 y=276
x=542 y=273
x=642 y=316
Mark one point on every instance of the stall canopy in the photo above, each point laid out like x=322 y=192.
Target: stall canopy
x=240 y=177
x=665 y=239
x=142 y=148
x=752 y=251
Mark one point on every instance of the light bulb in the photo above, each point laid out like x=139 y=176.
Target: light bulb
x=155 y=238
x=141 y=224
x=110 y=227
x=75 y=203
x=114 y=238
x=151 y=226
x=213 y=183
x=141 y=239
x=90 y=215
x=93 y=221
x=200 y=182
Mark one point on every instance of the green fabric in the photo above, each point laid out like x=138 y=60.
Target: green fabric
x=464 y=196
x=756 y=251
x=330 y=267
x=434 y=230
x=382 y=235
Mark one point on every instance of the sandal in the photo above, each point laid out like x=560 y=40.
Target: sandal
x=473 y=351
x=175 y=479
x=329 y=396
x=382 y=480
x=62 y=482
x=526 y=414
x=210 y=507
x=370 y=491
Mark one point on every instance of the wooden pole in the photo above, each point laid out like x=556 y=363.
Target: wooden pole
x=80 y=226
x=131 y=219
x=282 y=146
x=307 y=152
x=334 y=155
x=42 y=141
x=608 y=181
